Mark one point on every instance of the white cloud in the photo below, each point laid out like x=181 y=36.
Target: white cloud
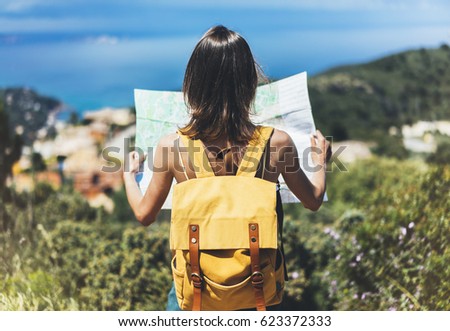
x=103 y=40
x=69 y=15
x=22 y=5
x=8 y=25
x=18 y=5
x=310 y=4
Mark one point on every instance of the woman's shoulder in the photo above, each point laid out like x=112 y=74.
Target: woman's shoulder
x=280 y=139
x=168 y=140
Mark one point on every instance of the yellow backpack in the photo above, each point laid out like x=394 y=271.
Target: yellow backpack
x=224 y=234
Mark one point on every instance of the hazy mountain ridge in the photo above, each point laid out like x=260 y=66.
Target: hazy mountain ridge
x=28 y=111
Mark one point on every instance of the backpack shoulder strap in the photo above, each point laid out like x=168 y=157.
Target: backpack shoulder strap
x=197 y=155
x=255 y=149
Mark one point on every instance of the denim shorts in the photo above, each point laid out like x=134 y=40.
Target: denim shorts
x=172 y=303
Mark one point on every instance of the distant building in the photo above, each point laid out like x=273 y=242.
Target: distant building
x=117 y=116
x=75 y=153
x=419 y=137
x=97 y=186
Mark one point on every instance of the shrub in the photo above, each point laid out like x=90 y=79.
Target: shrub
x=393 y=257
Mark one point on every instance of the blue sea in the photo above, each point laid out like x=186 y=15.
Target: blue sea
x=87 y=72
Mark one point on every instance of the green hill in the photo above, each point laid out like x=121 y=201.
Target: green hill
x=364 y=101
x=27 y=111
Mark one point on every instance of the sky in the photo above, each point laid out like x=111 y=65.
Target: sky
x=93 y=53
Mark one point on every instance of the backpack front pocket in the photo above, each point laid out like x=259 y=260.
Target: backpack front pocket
x=237 y=296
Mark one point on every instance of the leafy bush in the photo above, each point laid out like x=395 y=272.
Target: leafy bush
x=393 y=256
x=442 y=154
x=133 y=274
x=380 y=243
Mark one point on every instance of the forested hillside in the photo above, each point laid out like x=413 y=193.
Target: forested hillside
x=364 y=101
x=27 y=111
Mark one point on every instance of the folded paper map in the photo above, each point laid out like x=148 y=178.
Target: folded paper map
x=283 y=104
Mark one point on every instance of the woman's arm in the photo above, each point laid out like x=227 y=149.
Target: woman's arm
x=310 y=192
x=147 y=207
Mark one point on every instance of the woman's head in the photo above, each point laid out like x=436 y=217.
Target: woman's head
x=219 y=86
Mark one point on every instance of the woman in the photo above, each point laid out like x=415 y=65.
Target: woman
x=219 y=88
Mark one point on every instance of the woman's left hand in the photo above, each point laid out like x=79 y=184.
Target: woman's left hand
x=134 y=162
x=321 y=149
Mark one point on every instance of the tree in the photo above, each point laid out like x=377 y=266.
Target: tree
x=74 y=119
x=10 y=147
x=10 y=151
x=442 y=154
x=390 y=146
x=38 y=162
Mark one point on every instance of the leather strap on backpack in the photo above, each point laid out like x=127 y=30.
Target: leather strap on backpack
x=254 y=151
x=257 y=277
x=196 y=277
x=197 y=155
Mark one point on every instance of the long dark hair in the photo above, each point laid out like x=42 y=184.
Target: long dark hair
x=219 y=87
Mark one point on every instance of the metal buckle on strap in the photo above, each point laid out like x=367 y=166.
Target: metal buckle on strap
x=197 y=280
x=257 y=279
